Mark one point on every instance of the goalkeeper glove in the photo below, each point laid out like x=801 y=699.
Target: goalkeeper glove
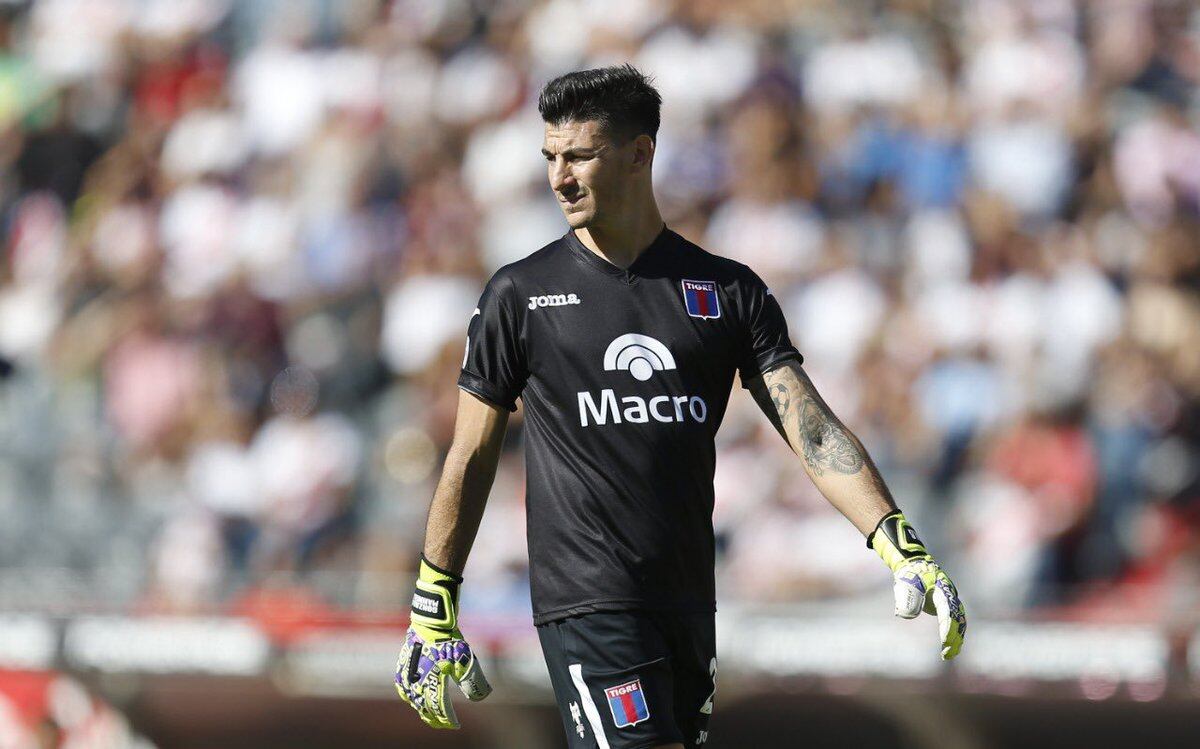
x=435 y=650
x=920 y=584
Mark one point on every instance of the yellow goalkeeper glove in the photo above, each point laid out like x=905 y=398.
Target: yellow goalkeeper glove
x=920 y=584
x=434 y=650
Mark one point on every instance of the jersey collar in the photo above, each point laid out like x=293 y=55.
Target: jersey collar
x=628 y=275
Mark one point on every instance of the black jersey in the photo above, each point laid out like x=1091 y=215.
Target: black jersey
x=625 y=375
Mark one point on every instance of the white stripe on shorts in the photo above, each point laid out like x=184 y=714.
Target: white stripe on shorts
x=589 y=707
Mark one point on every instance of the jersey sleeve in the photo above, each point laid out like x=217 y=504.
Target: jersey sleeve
x=494 y=365
x=767 y=344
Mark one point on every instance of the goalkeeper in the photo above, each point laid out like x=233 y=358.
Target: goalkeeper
x=622 y=340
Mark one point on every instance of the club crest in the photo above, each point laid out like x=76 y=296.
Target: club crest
x=628 y=703
x=700 y=297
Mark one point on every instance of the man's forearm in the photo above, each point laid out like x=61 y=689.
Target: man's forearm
x=466 y=481
x=833 y=457
x=456 y=510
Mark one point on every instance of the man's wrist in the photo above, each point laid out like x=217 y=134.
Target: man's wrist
x=435 y=597
x=896 y=541
x=440 y=571
x=871 y=535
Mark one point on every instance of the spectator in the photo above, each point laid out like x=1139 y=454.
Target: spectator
x=243 y=242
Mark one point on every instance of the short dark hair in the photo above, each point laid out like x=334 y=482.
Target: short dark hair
x=620 y=97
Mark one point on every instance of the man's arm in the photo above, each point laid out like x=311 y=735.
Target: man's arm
x=467 y=475
x=841 y=469
x=833 y=457
x=434 y=649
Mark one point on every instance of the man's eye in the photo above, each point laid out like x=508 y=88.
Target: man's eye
x=570 y=157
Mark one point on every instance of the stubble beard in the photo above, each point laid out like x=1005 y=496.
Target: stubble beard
x=580 y=219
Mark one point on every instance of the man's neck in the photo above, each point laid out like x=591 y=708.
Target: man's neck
x=622 y=245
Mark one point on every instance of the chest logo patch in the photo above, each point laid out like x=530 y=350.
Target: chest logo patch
x=553 y=300
x=628 y=703
x=641 y=356
x=638 y=354
x=700 y=298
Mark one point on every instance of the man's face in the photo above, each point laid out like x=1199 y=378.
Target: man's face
x=589 y=173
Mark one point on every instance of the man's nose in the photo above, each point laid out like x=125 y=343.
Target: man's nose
x=560 y=175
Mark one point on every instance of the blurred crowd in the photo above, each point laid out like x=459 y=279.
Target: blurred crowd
x=242 y=242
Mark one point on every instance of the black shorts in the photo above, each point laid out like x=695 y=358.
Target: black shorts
x=632 y=679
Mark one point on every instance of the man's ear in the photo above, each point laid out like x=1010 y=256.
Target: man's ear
x=643 y=152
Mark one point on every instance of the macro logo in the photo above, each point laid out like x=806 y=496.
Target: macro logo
x=641 y=356
x=638 y=354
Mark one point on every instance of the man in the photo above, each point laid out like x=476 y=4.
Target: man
x=622 y=340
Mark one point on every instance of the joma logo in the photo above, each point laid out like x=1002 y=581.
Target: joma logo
x=552 y=300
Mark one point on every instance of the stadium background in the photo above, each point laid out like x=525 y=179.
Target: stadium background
x=242 y=241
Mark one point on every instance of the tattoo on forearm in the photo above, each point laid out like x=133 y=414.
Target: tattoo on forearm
x=824 y=442
x=782 y=398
